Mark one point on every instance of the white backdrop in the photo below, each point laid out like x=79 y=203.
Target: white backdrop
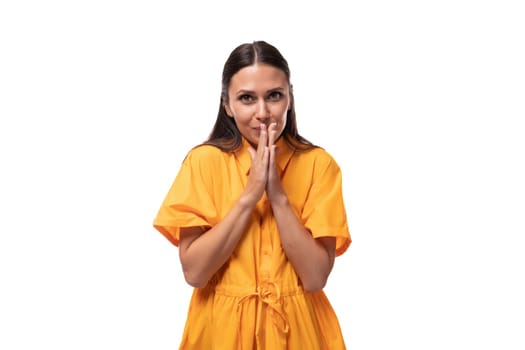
x=421 y=103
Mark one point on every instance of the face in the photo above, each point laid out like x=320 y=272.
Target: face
x=258 y=94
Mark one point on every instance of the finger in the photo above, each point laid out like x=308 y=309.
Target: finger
x=265 y=157
x=273 y=153
x=272 y=133
x=252 y=152
x=263 y=140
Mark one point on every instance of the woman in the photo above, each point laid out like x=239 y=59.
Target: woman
x=258 y=215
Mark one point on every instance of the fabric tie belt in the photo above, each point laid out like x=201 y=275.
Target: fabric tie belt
x=270 y=294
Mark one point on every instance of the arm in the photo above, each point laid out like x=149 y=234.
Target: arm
x=202 y=252
x=312 y=258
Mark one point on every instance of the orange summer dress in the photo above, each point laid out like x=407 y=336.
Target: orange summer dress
x=256 y=301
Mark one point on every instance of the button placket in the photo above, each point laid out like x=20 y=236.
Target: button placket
x=266 y=242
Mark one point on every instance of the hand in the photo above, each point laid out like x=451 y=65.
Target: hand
x=274 y=187
x=263 y=172
x=258 y=178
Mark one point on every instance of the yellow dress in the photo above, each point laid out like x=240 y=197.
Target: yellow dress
x=256 y=301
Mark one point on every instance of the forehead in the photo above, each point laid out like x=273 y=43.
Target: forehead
x=257 y=76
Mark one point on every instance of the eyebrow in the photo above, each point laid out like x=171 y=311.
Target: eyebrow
x=242 y=91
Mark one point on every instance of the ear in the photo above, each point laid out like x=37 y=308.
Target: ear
x=228 y=110
x=290 y=105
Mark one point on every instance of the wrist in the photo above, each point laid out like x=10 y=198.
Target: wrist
x=279 y=201
x=247 y=202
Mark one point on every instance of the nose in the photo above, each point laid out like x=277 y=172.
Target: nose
x=262 y=113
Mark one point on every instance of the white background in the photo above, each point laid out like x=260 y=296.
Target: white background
x=420 y=102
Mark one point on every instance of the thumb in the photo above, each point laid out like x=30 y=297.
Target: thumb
x=252 y=152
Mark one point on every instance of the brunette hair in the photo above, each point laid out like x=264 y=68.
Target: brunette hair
x=225 y=134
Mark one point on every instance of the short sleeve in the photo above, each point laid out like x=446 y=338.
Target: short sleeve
x=324 y=212
x=189 y=201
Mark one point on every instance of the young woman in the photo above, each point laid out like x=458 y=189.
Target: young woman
x=258 y=216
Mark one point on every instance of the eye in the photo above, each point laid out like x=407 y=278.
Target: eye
x=275 y=96
x=246 y=98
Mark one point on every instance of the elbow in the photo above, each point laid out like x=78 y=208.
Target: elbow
x=195 y=284
x=195 y=280
x=316 y=285
x=193 y=275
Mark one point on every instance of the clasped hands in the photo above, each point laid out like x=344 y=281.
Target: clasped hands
x=263 y=172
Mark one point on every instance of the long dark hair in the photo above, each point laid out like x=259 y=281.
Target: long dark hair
x=225 y=134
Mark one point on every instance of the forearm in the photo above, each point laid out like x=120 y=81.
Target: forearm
x=204 y=255
x=310 y=258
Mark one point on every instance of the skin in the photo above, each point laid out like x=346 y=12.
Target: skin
x=258 y=100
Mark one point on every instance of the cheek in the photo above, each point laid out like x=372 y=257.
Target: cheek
x=282 y=125
x=242 y=118
x=281 y=114
x=242 y=112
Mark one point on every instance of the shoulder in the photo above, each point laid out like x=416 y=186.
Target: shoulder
x=205 y=152
x=319 y=158
x=205 y=157
x=320 y=153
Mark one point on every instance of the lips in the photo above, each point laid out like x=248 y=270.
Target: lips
x=258 y=127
